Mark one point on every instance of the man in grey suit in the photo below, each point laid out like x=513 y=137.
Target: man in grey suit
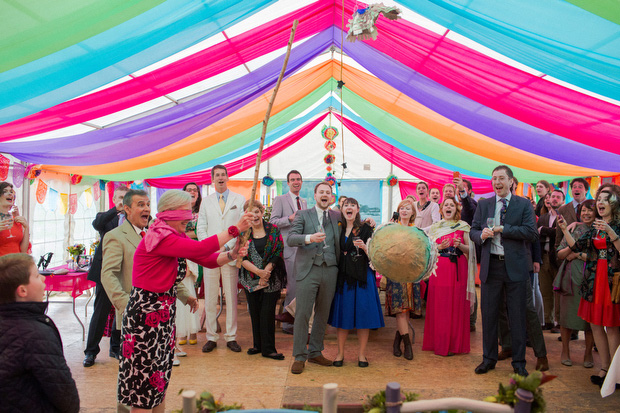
x=315 y=233
x=283 y=213
x=504 y=266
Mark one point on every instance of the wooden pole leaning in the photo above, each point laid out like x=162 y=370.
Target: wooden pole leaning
x=246 y=236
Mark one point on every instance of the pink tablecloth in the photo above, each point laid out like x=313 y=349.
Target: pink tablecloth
x=73 y=282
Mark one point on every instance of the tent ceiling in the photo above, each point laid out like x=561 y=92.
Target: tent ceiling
x=166 y=88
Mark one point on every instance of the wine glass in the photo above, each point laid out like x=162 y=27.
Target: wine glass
x=357 y=249
x=11 y=211
x=321 y=229
x=491 y=223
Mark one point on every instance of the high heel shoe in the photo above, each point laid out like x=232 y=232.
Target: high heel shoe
x=361 y=363
x=396 y=347
x=598 y=380
x=338 y=363
x=408 y=353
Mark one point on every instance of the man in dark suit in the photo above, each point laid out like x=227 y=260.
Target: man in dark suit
x=579 y=188
x=283 y=214
x=315 y=233
x=103 y=223
x=549 y=268
x=504 y=266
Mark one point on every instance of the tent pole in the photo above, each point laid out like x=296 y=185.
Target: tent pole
x=246 y=236
x=390 y=193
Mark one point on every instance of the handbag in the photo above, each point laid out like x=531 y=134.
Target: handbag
x=563 y=283
x=615 y=289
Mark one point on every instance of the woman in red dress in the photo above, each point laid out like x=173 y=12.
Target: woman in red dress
x=451 y=291
x=14 y=234
x=601 y=245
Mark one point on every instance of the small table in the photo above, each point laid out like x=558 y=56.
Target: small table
x=74 y=282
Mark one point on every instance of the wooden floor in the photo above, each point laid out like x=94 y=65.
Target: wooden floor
x=257 y=382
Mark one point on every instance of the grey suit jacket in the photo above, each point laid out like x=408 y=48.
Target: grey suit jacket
x=519 y=232
x=306 y=222
x=283 y=207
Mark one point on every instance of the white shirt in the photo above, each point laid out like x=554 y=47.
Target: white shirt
x=319 y=214
x=496 y=244
x=138 y=230
x=295 y=200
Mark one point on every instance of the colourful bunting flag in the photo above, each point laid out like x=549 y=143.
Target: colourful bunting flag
x=18 y=174
x=52 y=200
x=73 y=204
x=89 y=197
x=41 y=191
x=4 y=167
x=97 y=190
x=64 y=198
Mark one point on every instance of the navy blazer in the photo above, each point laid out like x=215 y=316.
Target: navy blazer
x=518 y=234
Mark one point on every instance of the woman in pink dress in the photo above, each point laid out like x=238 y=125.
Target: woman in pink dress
x=451 y=291
x=14 y=234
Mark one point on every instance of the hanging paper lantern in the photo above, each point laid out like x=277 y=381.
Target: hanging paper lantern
x=330 y=158
x=329 y=169
x=267 y=180
x=330 y=179
x=76 y=179
x=392 y=180
x=330 y=145
x=329 y=132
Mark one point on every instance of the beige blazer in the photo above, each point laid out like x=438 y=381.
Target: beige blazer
x=119 y=246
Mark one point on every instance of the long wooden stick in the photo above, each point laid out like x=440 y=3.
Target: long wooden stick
x=246 y=236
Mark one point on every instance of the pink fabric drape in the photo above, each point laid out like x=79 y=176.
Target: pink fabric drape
x=204 y=177
x=429 y=173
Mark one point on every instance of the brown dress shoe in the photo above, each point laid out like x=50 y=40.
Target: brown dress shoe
x=234 y=346
x=542 y=363
x=209 y=346
x=321 y=361
x=297 y=367
x=504 y=354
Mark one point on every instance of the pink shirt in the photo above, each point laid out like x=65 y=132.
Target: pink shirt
x=157 y=271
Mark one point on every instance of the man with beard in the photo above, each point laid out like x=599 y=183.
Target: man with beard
x=505 y=248
x=549 y=268
x=315 y=233
x=427 y=211
x=219 y=211
x=283 y=212
x=579 y=188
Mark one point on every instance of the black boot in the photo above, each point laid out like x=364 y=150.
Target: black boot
x=397 y=340
x=408 y=349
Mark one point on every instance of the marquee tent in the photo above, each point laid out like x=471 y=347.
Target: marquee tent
x=163 y=90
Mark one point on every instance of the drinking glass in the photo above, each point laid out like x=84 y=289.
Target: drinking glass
x=357 y=250
x=11 y=211
x=490 y=223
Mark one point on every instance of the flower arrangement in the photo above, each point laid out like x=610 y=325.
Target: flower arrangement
x=508 y=394
x=76 y=250
x=94 y=245
x=206 y=403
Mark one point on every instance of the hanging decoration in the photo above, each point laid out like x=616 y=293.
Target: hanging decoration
x=64 y=203
x=97 y=190
x=52 y=200
x=73 y=204
x=330 y=179
x=362 y=25
x=33 y=171
x=41 y=191
x=18 y=174
x=391 y=180
x=330 y=158
x=329 y=132
x=267 y=180
x=4 y=167
x=330 y=145
x=88 y=194
x=76 y=179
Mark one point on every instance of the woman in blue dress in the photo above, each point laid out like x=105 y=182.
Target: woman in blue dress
x=356 y=302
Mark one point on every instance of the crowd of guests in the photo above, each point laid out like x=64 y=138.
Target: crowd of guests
x=546 y=265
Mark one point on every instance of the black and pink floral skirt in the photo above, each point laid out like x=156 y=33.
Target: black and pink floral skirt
x=148 y=336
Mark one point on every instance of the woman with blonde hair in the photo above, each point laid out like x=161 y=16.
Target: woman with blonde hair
x=399 y=296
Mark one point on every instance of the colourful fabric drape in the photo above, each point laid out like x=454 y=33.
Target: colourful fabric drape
x=145 y=39
x=552 y=36
x=34 y=29
x=204 y=177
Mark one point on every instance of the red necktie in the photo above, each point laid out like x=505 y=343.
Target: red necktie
x=298 y=204
x=142 y=233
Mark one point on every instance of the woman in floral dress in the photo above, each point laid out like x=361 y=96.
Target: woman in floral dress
x=148 y=325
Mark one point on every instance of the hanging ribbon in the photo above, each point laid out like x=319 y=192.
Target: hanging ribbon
x=41 y=191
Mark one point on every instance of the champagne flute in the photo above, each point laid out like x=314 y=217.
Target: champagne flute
x=321 y=229
x=491 y=223
x=11 y=212
x=357 y=249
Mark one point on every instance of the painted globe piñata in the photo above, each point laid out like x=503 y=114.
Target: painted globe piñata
x=403 y=254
